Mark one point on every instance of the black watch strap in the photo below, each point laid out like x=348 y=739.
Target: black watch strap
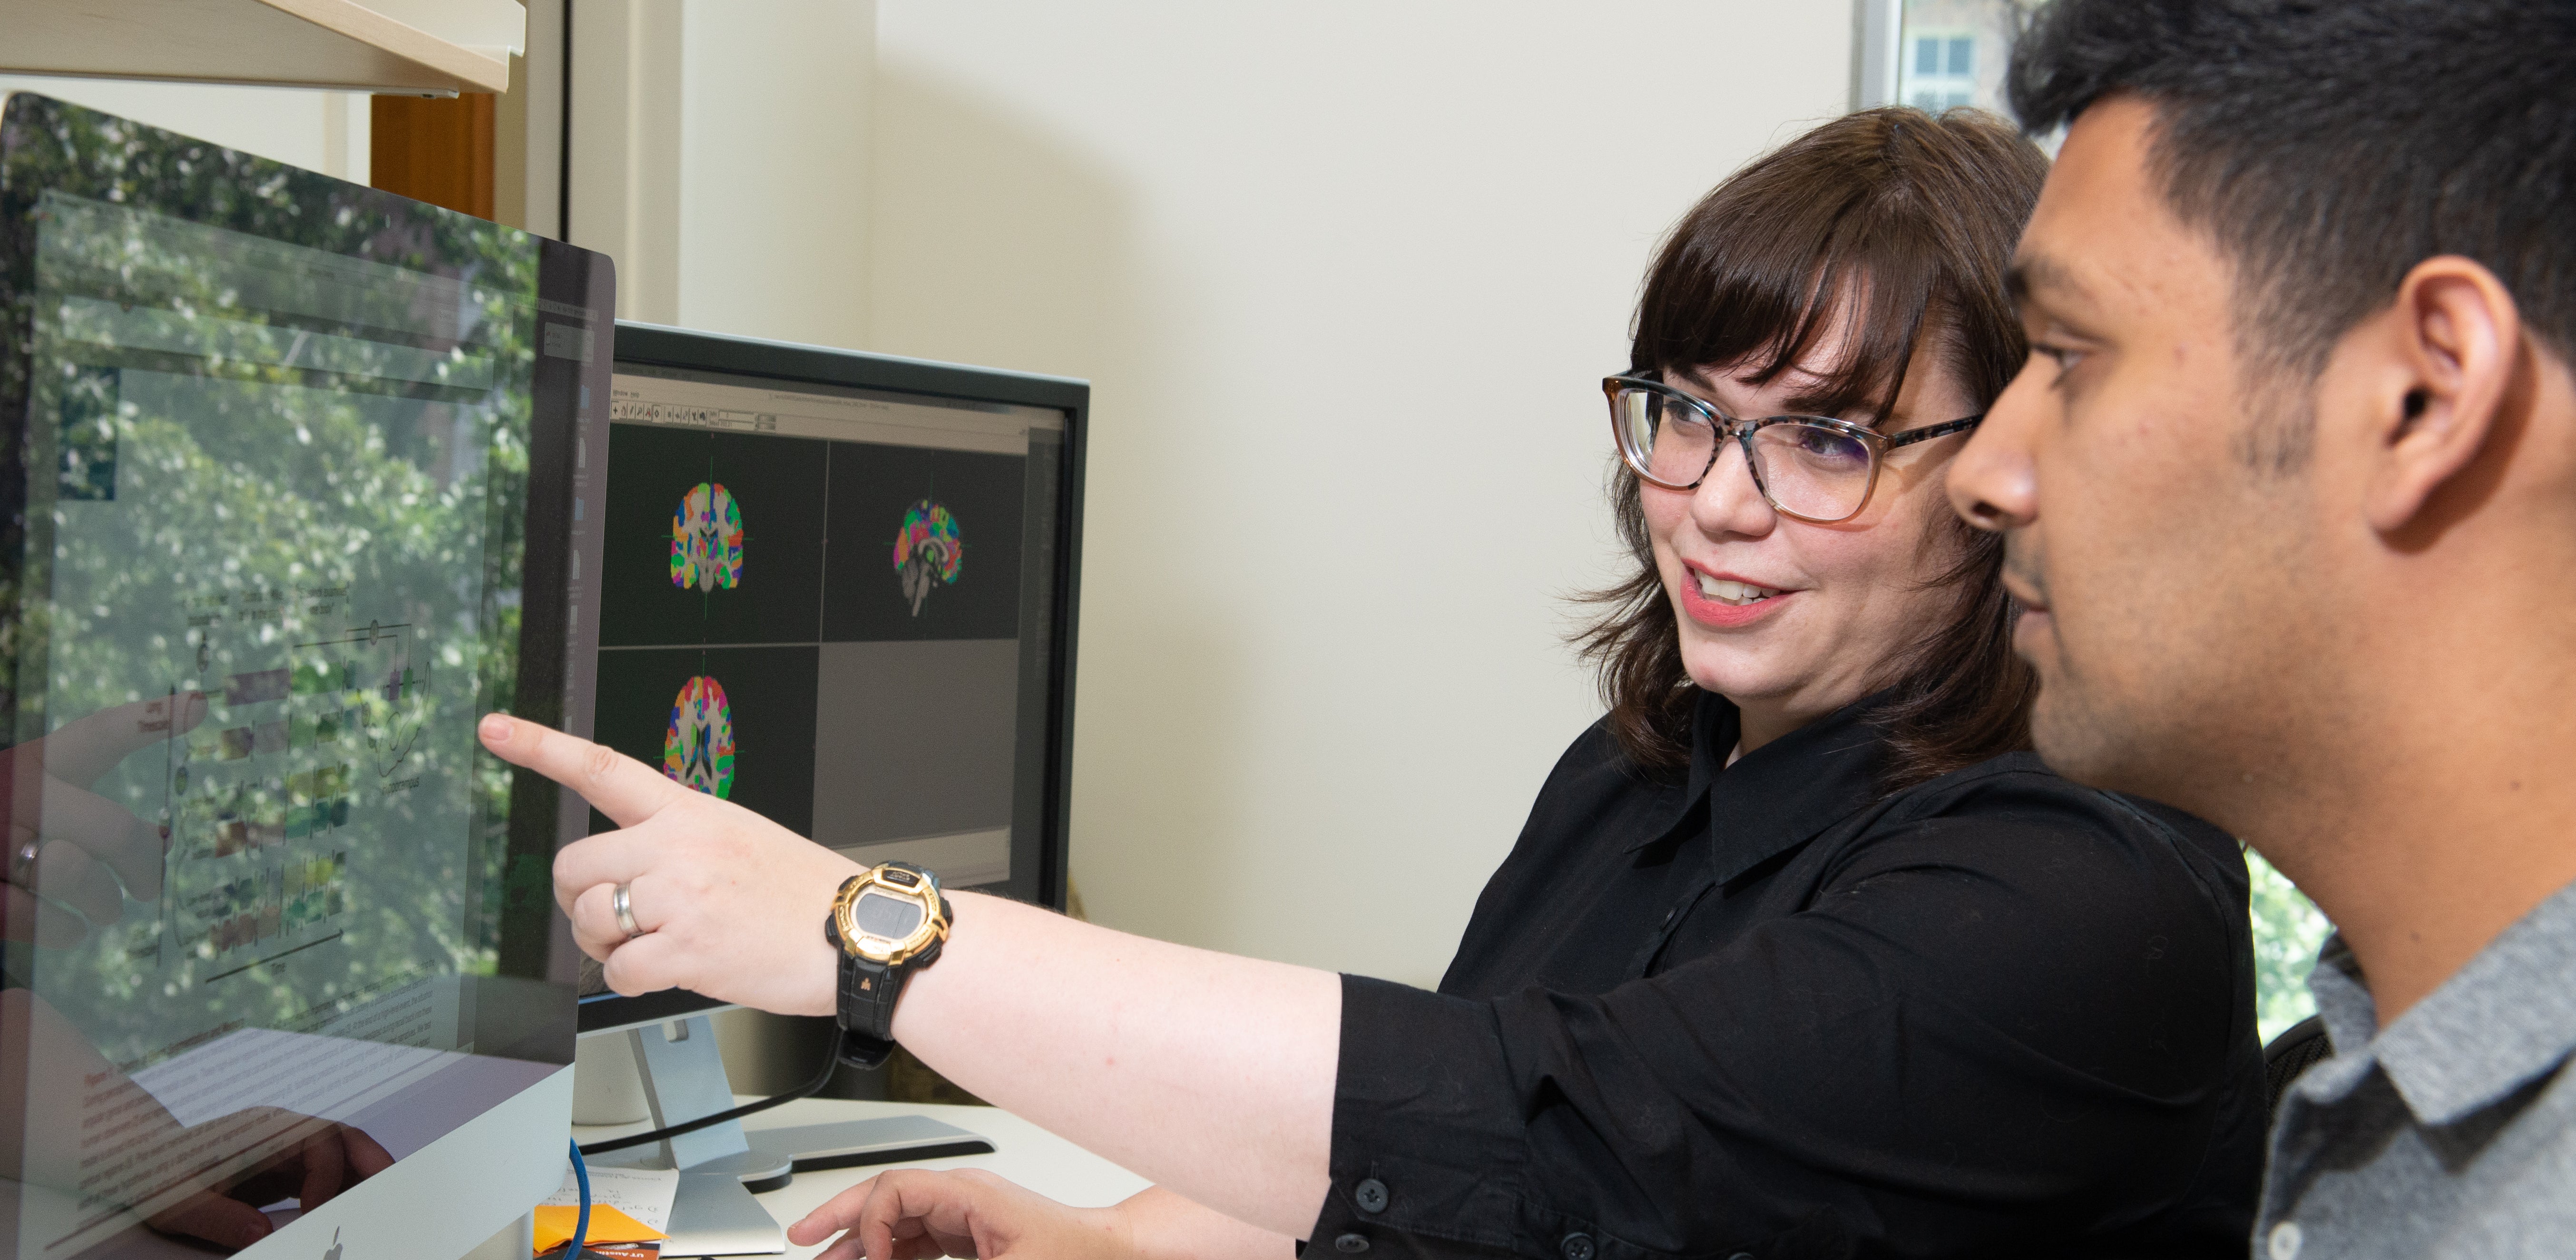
x=868 y=993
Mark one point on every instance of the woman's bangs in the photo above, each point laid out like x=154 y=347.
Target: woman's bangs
x=1764 y=305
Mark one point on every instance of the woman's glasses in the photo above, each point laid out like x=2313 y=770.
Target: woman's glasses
x=1814 y=468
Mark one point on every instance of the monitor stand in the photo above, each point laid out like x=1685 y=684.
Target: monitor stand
x=721 y=1166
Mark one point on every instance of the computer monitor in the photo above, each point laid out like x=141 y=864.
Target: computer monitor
x=291 y=491
x=839 y=590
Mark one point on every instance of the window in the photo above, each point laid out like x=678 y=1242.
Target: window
x=1950 y=53
x=1944 y=72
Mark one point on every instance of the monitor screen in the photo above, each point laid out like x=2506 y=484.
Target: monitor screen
x=836 y=590
x=288 y=468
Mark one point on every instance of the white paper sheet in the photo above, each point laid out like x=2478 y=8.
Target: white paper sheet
x=642 y=1193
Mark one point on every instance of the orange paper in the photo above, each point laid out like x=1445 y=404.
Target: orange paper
x=607 y=1225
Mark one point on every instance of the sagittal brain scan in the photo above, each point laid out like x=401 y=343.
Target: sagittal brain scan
x=706 y=539
x=927 y=550
x=697 y=750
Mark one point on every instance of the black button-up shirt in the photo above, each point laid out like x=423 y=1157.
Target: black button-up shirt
x=1774 y=1011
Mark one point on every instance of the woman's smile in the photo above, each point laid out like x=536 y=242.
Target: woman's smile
x=1723 y=601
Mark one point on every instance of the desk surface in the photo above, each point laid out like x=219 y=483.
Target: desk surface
x=1022 y=1152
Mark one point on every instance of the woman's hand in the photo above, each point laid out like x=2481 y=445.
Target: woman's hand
x=732 y=904
x=911 y=1214
x=1210 y=1074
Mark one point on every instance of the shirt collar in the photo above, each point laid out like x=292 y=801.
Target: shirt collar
x=1779 y=795
x=2505 y=1018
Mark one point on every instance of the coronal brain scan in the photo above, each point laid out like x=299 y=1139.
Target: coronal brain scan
x=927 y=550
x=706 y=539
x=697 y=749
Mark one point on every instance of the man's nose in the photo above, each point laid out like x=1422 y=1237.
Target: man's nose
x=1992 y=484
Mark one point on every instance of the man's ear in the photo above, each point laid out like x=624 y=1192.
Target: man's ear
x=2457 y=338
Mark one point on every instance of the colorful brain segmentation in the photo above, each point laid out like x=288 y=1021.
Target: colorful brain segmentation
x=706 y=539
x=927 y=549
x=697 y=748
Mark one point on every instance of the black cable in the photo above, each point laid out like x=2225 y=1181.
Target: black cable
x=831 y=1062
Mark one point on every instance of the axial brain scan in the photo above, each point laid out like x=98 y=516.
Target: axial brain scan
x=697 y=749
x=706 y=539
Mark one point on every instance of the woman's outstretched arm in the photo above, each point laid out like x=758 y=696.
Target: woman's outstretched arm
x=1211 y=1074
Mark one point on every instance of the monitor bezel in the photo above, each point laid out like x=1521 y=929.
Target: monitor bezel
x=648 y=345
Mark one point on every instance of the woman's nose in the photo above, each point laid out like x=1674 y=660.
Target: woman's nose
x=1728 y=500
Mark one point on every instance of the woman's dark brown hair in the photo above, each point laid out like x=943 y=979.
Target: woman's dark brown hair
x=1896 y=226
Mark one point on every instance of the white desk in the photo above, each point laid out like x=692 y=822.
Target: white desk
x=1022 y=1152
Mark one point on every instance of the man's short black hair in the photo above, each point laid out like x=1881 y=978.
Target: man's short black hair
x=2330 y=145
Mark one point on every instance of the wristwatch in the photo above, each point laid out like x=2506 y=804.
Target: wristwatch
x=888 y=922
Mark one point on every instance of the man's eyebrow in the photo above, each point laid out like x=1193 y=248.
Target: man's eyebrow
x=2032 y=273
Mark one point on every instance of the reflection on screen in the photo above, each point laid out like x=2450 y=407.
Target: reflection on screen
x=272 y=578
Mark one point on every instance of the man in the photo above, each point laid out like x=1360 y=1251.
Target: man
x=2289 y=489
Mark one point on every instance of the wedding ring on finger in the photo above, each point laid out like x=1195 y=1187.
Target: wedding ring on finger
x=622 y=904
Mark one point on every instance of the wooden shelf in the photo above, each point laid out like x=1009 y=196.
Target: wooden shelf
x=416 y=47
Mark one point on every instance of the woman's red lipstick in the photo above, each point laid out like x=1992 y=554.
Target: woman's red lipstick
x=1722 y=616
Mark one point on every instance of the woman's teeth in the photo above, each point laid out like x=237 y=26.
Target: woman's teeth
x=1735 y=594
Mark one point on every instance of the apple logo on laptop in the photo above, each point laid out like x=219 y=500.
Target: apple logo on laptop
x=334 y=1252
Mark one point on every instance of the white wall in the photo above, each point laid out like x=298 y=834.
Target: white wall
x=321 y=131
x=720 y=153
x=1345 y=275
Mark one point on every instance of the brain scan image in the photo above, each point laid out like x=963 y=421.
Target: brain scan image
x=927 y=551
x=706 y=539
x=697 y=748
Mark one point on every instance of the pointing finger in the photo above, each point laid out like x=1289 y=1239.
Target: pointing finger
x=87 y=747
x=615 y=784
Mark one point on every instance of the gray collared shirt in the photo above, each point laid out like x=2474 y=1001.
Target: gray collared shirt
x=2450 y=1133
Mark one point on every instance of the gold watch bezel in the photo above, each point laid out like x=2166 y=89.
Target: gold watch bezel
x=878 y=949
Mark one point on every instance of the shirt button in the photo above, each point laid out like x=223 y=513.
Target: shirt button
x=1575 y=1247
x=1371 y=1195
x=1350 y=1244
x=2284 y=1242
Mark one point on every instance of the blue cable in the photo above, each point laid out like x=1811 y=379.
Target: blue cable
x=581 y=1219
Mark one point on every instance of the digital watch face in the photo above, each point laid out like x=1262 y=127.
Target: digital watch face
x=884 y=917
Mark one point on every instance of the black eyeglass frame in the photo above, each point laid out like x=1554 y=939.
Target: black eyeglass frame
x=1725 y=426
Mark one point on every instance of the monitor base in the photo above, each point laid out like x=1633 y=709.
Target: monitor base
x=715 y=1215
x=861 y=1143
x=722 y=1166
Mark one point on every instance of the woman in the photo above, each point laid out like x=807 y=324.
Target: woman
x=1798 y=955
